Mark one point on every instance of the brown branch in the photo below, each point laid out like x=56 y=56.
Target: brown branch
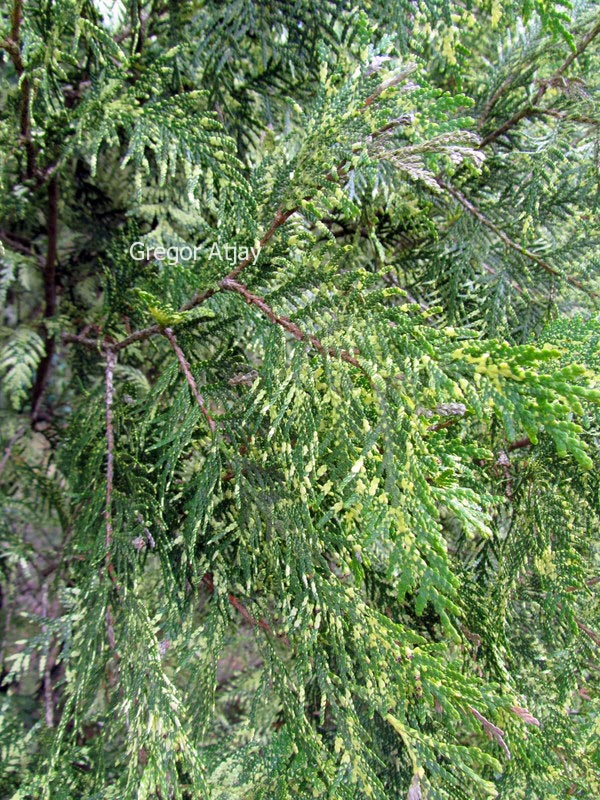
x=111 y=361
x=514 y=120
x=233 y=286
x=510 y=243
x=393 y=80
x=207 y=580
x=108 y=567
x=543 y=88
x=45 y=365
x=138 y=336
x=13 y=47
x=588 y=632
x=91 y=344
x=47 y=679
x=15 y=20
x=582 y=119
x=20 y=245
x=525 y=442
x=50 y=271
x=187 y=371
x=8 y=449
x=439 y=426
x=141 y=335
x=500 y=91
x=493 y=731
x=280 y=217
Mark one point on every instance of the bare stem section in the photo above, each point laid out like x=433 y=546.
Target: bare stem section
x=187 y=371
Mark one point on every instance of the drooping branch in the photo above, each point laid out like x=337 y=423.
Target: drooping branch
x=500 y=91
x=111 y=362
x=543 y=88
x=493 y=731
x=208 y=581
x=13 y=47
x=21 y=245
x=231 y=285
x=393 y=80
x=45 y=365
x=8 y=449
x=187 y=371
x=281 y=216
x=510 y=243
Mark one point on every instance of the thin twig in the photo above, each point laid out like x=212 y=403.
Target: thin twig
x=187 y=371
x=393 y=80
x=543 y=88
x=47 y=680
x=207 y=580
x=281 y=216
x=8 y=449
x=233 y=286
x=85 y=341
x=493 y=731
x=138 y=336
x=111 y=362
x=588 y=632
x=501 y=90
x=13 y=46
x=460 y=197
x=45 y=365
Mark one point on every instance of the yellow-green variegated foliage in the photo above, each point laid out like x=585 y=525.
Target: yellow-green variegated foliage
x=299 y=400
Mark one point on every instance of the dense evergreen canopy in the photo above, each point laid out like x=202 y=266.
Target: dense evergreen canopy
x=300 y=388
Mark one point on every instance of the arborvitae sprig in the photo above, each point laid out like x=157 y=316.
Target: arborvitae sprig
x=320 y=522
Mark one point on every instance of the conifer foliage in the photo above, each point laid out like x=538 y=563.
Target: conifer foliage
x=299 y=365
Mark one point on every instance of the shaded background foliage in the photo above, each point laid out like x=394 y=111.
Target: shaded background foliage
x=325 y=525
